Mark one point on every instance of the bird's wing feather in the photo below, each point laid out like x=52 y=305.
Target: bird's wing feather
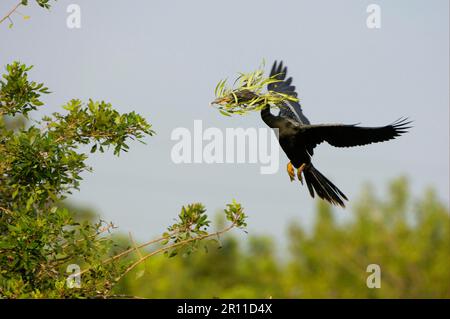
x=341 y=135
x=289 y=109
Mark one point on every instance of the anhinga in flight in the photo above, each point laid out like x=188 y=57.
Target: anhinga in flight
x=298 y=138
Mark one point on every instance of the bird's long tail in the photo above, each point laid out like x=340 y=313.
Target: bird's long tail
x=325 y=189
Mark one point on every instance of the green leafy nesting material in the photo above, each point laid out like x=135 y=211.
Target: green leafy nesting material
x=248 y=94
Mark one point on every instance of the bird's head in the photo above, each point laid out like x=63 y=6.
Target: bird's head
x=236 y=97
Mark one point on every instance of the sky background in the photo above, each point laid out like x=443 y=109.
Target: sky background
x=164 y=58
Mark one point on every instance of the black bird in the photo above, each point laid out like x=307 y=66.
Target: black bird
x=298 y=138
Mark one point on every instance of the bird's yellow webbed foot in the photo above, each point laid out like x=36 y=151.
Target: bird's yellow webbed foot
x=300 y=171
x=291 y=171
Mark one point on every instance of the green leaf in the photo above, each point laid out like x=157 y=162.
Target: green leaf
x=224 y=113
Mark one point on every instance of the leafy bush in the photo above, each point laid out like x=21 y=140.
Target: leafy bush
x=39 y=166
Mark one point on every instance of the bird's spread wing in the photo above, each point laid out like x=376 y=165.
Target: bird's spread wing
x=290 y=109
x=341 y=135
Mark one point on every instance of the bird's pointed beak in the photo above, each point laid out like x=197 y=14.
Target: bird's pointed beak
x=217 y=101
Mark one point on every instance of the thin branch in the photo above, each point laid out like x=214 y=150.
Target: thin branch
x=6 y=210
x=135 y=245
x=143 y=258
x=162 y=249
x=126 y=252
x=8 y=15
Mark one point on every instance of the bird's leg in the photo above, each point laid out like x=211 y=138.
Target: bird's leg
x=291 y=171
x=299 y=172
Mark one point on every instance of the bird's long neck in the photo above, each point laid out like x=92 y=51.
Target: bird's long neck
x=267 y=116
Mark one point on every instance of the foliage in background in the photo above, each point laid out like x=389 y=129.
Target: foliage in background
x=39 y=166
x=248 y=95
x=408 y=238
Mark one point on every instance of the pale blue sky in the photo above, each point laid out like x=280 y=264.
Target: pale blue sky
x=164 y=58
